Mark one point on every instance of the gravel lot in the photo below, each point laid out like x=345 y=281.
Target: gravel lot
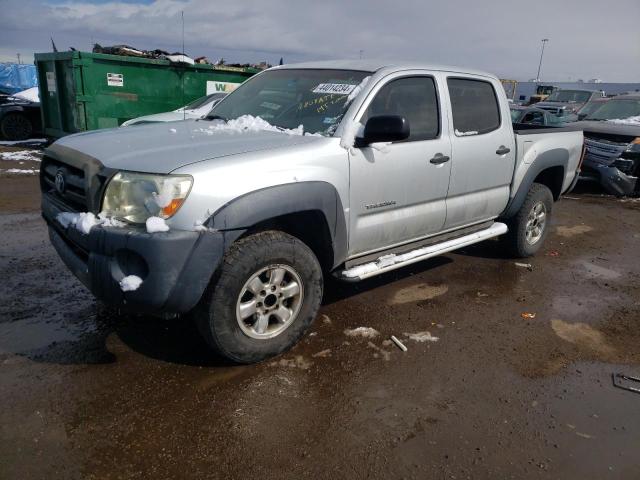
x=88 y=393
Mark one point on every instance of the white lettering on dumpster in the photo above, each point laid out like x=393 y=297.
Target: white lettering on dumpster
x=215 y=87
x=115 y=79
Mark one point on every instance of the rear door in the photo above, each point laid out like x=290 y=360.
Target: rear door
x=483 y=150
x=397 y=194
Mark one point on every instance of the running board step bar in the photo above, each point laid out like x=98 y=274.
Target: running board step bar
x=389 y=262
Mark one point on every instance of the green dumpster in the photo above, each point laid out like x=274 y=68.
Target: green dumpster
x=85 y=91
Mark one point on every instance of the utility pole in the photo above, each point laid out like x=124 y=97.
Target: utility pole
x=544 y=41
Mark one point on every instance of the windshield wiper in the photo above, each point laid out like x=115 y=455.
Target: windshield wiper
x=216 y=117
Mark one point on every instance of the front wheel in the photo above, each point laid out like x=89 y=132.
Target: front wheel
x=529 y=227
x=16 y=126
x=264 y=297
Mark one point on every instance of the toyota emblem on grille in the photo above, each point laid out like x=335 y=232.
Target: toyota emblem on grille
x=60 y=182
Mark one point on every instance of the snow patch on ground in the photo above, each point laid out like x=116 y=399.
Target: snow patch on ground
x=19 y=171
x=248 y=123
x=21 y=156
x=626 y=121
x=465 y=134
x=364 y=332
x=130 y=283
x=421 y=337
x=156 y=224
x=20 y=142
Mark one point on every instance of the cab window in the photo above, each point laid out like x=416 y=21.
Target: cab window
x=474 y=106
x=415 y=99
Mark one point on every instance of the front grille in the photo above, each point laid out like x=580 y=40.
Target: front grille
x=74 y=194
x=553 y=110
x=604 y=149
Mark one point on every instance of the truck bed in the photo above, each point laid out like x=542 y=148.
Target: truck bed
x=553 y=143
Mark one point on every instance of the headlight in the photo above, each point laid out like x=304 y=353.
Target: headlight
x=634 y=146
x=137 y=196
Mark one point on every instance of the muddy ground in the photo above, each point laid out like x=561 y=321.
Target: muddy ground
x=89 y=394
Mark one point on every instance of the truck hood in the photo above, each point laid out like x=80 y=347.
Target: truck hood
x=573 y=106
x=609 y=128
x=164 y=147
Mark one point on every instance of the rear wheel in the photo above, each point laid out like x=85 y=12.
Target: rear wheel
x=264 y=297
x=529 y=227
x=16 y=126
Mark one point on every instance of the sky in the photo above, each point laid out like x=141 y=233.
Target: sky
x=587 y=38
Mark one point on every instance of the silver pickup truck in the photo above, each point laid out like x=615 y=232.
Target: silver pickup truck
x=345 y=168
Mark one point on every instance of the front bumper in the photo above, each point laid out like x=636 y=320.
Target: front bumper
x=612 y=179
x=175 y=266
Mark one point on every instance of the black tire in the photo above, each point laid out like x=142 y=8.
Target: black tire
x=16 y=126
x=216 y=317
x=517 y=240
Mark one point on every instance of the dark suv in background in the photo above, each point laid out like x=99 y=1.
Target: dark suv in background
x=612 y=141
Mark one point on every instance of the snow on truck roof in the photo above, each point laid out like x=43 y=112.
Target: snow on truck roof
x=375 y=65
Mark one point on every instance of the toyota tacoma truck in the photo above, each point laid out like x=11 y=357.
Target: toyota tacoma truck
x=345 y=168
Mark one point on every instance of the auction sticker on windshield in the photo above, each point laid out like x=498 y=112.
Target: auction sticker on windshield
x=335 y=88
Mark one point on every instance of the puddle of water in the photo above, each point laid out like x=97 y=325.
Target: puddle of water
x=568 y=232
x=596 y=271
x=417 y=293
x=582 y=335
x=26 y=335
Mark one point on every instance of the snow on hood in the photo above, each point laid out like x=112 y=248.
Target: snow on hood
x=30 y=94
x=626 y=121
x=164 y=147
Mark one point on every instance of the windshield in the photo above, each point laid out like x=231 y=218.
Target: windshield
x=589 y=108
x=515 y=115
x=287 y=98
x=615 y=109
x=203 y=101
x=568 y=96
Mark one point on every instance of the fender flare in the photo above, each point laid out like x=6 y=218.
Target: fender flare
x=12 y=108
x=257 y=206
x=558 y=157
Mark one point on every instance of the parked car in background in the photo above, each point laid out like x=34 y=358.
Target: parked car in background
x=20 y=115
x=612 y=141
x=590 y=107
x=346 y=168
x=196 y=109
x=533 y=116
x=566 y=103
x=542 y=92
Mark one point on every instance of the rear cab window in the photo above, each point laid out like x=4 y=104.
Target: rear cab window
x=413 y=98
x=474 y=106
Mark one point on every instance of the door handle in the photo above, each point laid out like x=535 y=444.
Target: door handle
x=439 y=158
x=502 y=150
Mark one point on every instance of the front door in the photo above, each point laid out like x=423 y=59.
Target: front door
x=398 y=191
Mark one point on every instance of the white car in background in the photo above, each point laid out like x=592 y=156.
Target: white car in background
x=196 y=109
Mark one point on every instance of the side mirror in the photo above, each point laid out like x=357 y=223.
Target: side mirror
x=385 y=128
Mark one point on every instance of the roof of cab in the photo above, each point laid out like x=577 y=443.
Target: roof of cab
x=375 y=65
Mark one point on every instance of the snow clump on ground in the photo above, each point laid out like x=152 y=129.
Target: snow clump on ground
x=364 y=332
